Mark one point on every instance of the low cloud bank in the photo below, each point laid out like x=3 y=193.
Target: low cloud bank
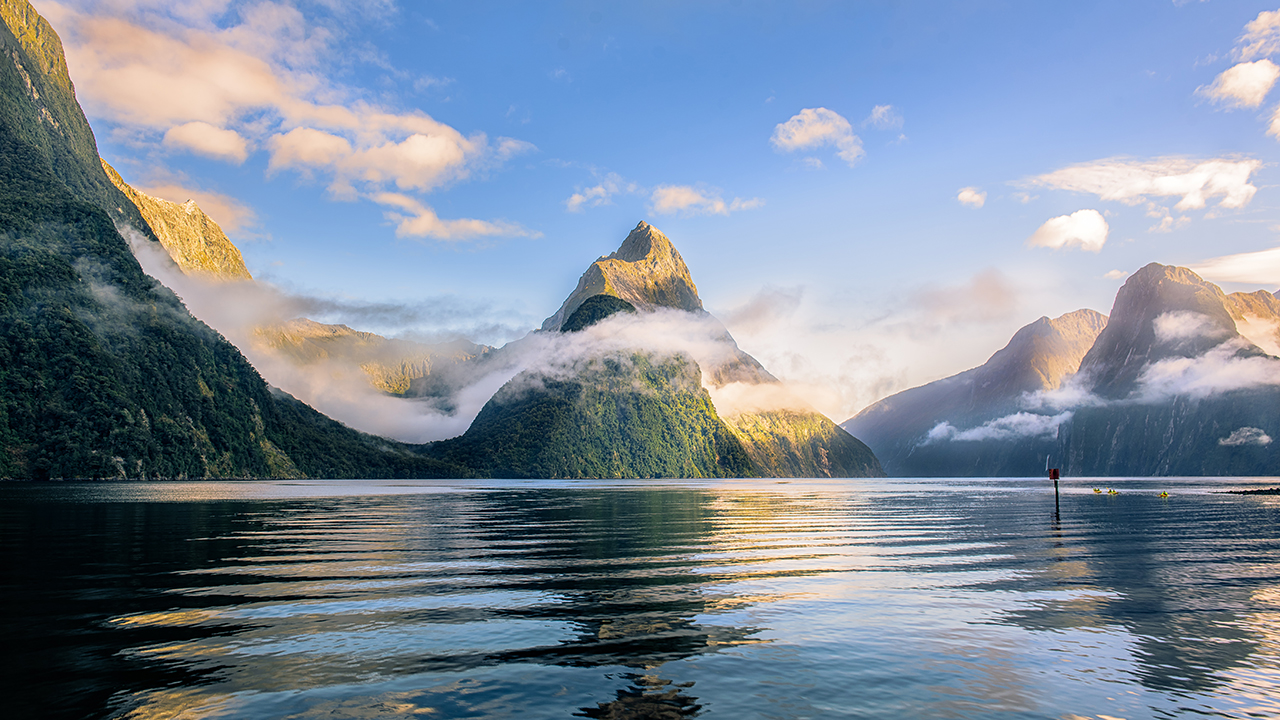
x=1246 y=436
x=340 y=389
x=1231 y=365
x=1009 y=427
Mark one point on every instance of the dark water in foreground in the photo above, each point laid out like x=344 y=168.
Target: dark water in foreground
x=747 y=599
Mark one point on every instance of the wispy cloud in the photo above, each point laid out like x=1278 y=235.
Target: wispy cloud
x=1261 y=36
x=1132 y=182
x=1246 y=436
x=814 y=128
x=689 y=200
x=414 y=219
x=1010 y=427
x=601 y=193
x=1261 y=267
x=204 y=139
x=1085 y=229
x=883 y=117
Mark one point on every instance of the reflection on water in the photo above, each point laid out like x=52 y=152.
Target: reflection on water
x=625 y=600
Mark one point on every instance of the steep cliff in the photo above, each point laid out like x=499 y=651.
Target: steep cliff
x=1175 y=388
x=194 y=241
x=646 y=271
x=103 y=373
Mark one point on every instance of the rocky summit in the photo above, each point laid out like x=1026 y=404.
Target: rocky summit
x=637 y=412
x=194 y=241
x=646 y=271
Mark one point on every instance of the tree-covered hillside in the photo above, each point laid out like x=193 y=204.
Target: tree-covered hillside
x=103 y=373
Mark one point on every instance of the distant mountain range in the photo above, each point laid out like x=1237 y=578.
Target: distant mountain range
x=1181 y=379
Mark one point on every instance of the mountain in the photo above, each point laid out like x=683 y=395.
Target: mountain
x=1039 y=358
x=396 y=367
x=646 y=271
x=627 y=382
x=1170 y=386
x=103 y=373
x=194 y=241
x=1175 y=388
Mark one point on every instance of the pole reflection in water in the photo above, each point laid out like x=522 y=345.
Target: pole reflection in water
x=865 y=599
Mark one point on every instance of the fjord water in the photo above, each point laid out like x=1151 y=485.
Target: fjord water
x=740 y=599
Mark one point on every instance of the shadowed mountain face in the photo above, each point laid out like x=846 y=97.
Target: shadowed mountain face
x=1040 y=357
x=607 y=402
x=1177 y=389
x=103 y=373
x=1169 y=387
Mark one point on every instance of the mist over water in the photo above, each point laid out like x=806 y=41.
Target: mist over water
x=739 y=599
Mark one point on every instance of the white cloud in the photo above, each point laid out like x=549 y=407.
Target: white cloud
x=1246 y=436
x=1175 y=327
x=600 y=194
x=669 y=199
x=188 y=80
x=422 y=221
x=1260 y=268
x=1010 y=427
x=1244 y=85
x=1083 y=228
x=1222 y=369
x=1261 y=331
x=1024 y=197
x=813 y=128
x=1134 y=181
x=205 y=139
x=1261 y=36
x=1167 y=222
x=883 y=117
x=1116 y=275
x=972 y=196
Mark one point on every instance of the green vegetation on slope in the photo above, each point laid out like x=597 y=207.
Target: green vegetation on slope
x=791 y=443
x=103 y=373
x=618 y=417
x=593 y=310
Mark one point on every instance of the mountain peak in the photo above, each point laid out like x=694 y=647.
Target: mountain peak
x=1132 y=340
x=646 y=271
x=194 y=241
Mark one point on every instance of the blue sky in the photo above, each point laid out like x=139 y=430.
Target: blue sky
x=809 y=159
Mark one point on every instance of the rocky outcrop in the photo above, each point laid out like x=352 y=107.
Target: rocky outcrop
x=194 y=241
x=635 y=412
x=646 y=271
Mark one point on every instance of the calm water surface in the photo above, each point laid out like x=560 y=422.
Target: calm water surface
x=741 y=599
